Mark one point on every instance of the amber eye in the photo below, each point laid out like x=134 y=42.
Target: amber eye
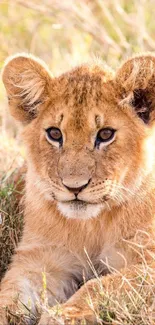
x=54 y=134
x=105 y=135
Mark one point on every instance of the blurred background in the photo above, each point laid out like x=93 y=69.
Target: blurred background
x=65 y=33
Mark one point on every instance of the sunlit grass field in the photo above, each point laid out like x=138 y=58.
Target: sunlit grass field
x=65 y=34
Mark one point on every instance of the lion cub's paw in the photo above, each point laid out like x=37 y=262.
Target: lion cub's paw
x=68 y=316
x=12 y=319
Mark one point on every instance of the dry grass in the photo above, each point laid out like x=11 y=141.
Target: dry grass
x=134 y=306
x=11 y=220
x=64 y=34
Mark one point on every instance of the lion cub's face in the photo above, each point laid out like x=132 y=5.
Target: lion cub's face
x=86 y=144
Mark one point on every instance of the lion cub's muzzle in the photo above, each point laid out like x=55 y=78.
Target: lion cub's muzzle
x=79 y=205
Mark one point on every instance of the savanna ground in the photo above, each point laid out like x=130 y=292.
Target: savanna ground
x=64 y=34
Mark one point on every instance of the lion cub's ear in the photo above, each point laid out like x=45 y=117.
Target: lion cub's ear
x=135 y=82
x=26 y=80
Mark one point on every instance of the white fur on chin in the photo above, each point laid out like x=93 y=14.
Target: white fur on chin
x=85 y=211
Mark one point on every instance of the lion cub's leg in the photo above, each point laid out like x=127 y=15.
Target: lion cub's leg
x=35 y=281
x=87 y=304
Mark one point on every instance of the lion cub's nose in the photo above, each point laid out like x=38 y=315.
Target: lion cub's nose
x=75 y=186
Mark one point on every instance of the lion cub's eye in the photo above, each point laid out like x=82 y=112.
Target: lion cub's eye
x=105 y=135
x=54 y=134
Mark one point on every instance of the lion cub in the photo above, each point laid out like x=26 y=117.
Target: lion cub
x=89 y=201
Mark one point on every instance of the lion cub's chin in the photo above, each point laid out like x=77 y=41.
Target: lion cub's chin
x=79 y=210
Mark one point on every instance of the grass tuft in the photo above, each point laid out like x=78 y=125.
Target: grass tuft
x=11 y=221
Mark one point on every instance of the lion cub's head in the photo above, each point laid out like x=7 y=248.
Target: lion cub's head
x=89 y=132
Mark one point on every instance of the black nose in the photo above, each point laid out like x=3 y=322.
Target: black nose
x=77 y=189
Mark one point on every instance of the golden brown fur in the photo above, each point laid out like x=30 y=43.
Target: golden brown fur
x=65 y=241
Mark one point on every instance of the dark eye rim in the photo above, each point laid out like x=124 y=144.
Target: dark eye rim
x=99 y=138
x=60 y=140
